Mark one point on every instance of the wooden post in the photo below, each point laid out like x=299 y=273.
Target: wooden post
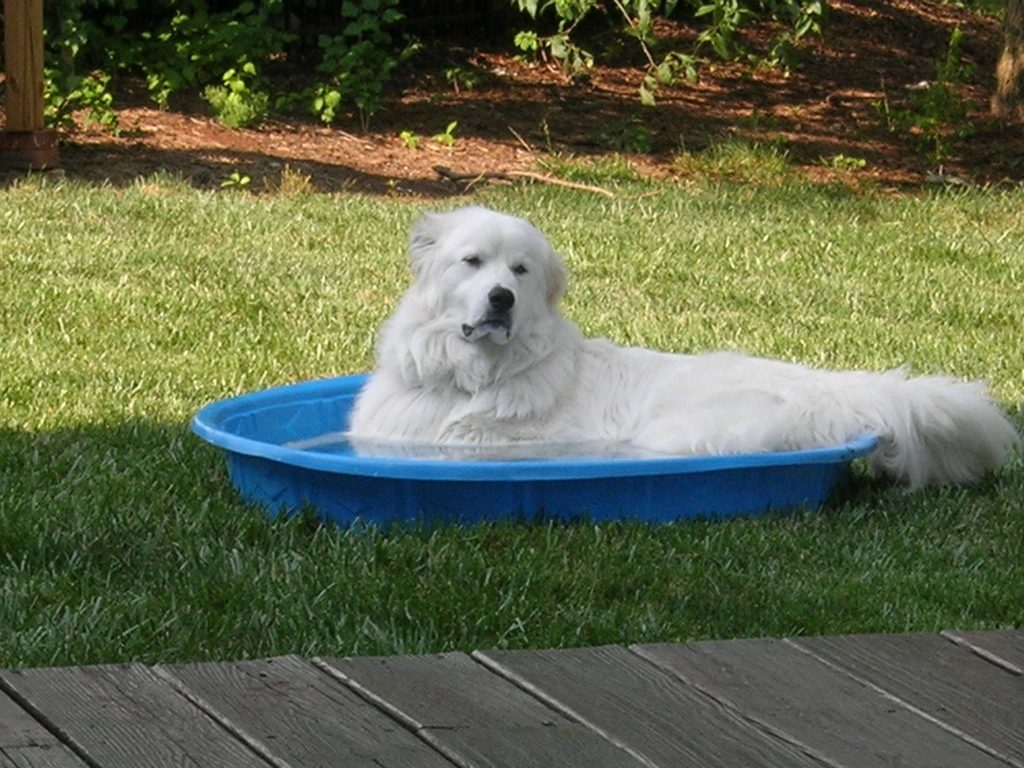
x=25 y=142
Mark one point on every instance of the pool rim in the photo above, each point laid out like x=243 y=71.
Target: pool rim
x=211 y=423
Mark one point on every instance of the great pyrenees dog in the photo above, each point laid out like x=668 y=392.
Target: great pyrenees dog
x=477 y=355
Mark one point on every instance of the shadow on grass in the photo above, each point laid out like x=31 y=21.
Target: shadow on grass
x=126 y=541
x=120 y=165
x=128 y=477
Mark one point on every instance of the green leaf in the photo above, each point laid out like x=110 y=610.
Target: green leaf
x=643 y=16
x=721 y=46
x=527 y=41
x=559 y=47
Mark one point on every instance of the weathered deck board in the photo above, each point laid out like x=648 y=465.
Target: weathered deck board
x=963 y=692
x=1001 y=646
x=290 y=709
x=124 y=716
x=906 y=701
x=644 y=709
x=25 y=743
x=476 y=717
x=806 y=702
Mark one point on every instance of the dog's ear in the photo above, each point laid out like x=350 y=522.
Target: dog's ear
x=423 y=240
x=558 y=278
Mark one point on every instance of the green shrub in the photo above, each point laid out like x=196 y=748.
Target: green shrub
x=722 y=20
x=193 y=49
x=74 y=78
x=88 y=42
x=179 y=46
x=936 y=115
x=235 y=104
x=65 y=92
x=358 y=62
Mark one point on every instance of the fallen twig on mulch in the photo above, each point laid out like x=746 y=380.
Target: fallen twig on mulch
x=468 y=180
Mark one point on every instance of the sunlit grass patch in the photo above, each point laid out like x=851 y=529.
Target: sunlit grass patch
x=737 y=160
x=126 y=310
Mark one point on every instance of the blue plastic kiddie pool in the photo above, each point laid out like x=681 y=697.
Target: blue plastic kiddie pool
x=285 y=450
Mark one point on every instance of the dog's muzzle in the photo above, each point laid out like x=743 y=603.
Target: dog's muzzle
x=497 y=321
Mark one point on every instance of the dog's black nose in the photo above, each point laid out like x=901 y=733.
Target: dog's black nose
x=501 y=298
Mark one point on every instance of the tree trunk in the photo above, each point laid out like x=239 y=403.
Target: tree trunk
x=1008 y=101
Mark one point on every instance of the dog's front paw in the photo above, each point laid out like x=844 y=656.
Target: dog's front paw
x=471 y=429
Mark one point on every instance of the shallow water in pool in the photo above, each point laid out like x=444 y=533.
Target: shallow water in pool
x=339 y=444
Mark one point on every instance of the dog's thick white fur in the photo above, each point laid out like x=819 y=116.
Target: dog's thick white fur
x=477 y=354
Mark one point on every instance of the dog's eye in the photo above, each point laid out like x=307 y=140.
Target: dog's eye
x=473 y=261
x=519 y=269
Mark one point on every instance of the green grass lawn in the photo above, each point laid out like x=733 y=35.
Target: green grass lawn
x=124 y=311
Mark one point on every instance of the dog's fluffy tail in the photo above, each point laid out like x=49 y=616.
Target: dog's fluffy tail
x=933 y=430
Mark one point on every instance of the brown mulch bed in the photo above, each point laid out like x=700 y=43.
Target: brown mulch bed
x=518 y=113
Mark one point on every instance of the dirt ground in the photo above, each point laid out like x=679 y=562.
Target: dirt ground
x=517 y=114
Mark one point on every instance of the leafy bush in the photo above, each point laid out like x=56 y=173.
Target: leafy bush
x=219 y=47
x=200 y=47
x=801 y=17
x=723 y=19
x=937 y=111
x=64 y=93
x=70 y=81
x=358 y=62
x=235 y=103
x=174 y=45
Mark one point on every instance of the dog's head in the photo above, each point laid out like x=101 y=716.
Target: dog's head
x=487 y=273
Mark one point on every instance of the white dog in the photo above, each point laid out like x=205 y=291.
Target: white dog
x=477 y=354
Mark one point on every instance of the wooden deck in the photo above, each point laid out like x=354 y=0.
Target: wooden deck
x=954 y=699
